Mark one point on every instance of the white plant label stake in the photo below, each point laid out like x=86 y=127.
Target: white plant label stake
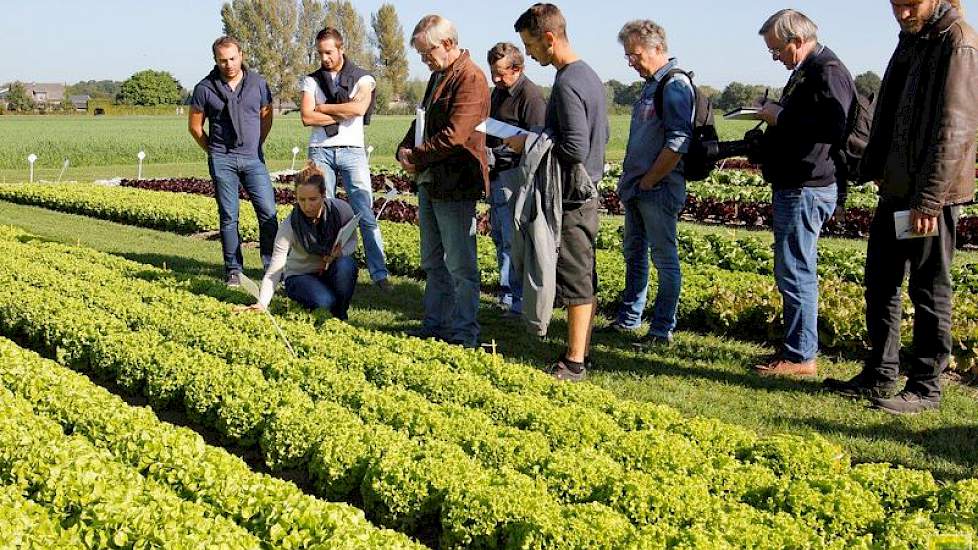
x=295 y=151
x=139 y=171
x=64 y=168
x=370 y=149
x=31 y=159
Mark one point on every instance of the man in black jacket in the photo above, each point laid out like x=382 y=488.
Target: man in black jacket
x=517 y=101
x=805 y=128
x=921 y=154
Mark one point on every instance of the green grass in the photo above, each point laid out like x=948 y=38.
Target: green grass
x=700 y=375
x=106 y=147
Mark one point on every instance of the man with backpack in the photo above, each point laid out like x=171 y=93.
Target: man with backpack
x=806 y=128
x=652 y=185
x=921 y=153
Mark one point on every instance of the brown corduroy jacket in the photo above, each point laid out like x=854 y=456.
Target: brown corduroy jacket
x=453 y=150
x=922 y=145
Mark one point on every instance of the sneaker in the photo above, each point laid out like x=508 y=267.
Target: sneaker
x=233 y=280
x=653 y=340
x=564 y=373
x=385 y=285
x=783 y=367
x=906 y=403
x=863 y=385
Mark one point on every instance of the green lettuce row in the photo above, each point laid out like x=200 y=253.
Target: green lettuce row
x=78 y=483
x=713 y=299
x=236 y=400
x=847 y=492
x=275 y=511
x=26 y=524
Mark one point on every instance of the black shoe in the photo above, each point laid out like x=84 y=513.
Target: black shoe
x=385 y=285
x=906 y=403
x=566 y=373
x=233 y=280
x=861 y=386
x=652 y=340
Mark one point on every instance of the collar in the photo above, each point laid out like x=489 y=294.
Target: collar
x=661 y=73
x=456 y=65
x=817 y=51
x=516 y=87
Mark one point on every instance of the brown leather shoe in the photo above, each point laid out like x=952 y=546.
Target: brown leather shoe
x=783 y=367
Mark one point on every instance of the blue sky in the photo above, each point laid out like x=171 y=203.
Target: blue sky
x=67 y=41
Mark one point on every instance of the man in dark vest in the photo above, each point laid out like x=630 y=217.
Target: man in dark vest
x=337 y=100
x=237 y=103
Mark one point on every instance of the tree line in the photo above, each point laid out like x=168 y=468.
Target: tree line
x=277 y=38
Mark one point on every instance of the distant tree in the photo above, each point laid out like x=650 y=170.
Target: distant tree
x=150 y=87
x=414 y=91
x=384 y=96
x=311 y=17
x=18 y=100
x=268 y=30
x=95 y=89
x=868 y=84
x=388 y=38
x=708 y=91
x=738 y=94
x=344 y=17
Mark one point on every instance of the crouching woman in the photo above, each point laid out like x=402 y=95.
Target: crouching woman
x=320 y=273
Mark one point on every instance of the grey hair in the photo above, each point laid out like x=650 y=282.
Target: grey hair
x=788 y=25
x=649 y=33
x=434 y=29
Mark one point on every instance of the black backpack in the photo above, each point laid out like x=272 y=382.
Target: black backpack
x=848 y=155
x=697 y=162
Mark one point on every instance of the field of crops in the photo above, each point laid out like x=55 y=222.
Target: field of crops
x=138 y=410
x=450 y=446
x=97 y=141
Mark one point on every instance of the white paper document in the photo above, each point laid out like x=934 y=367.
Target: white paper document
x=744 y=113
x=499 y=129
x=904 y=231
x=418 y=126
x=346 y=232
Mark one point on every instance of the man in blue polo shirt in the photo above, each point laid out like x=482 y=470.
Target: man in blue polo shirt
x=238 y=106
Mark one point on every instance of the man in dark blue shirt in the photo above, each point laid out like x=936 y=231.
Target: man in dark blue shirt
x=804 y=128
x=577 y=122
x=238 y=106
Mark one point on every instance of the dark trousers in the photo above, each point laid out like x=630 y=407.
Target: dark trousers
x=928 y=261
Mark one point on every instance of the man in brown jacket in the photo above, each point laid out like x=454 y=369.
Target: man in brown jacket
x=452 y=173
x=921 y=153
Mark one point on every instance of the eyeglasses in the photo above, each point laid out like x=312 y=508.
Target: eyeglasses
x=427 y=53
x=776 y=52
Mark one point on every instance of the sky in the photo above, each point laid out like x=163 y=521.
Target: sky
x=68 y=41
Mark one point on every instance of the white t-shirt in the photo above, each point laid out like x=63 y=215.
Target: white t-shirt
x=350 y=130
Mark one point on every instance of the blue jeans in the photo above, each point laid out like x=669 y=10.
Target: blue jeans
x=650 y=223
x=450 y=262
x=228 y=171
x=501 y=222
x=332 y=290
x=350 y=163
x=798 y=218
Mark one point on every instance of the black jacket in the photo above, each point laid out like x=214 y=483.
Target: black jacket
x=798 y=151
x=339 y=92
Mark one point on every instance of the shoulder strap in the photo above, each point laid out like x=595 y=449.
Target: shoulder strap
x=660 y=89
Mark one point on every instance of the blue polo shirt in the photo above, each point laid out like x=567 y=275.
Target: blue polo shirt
x=650 y=132
x=252 y=96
